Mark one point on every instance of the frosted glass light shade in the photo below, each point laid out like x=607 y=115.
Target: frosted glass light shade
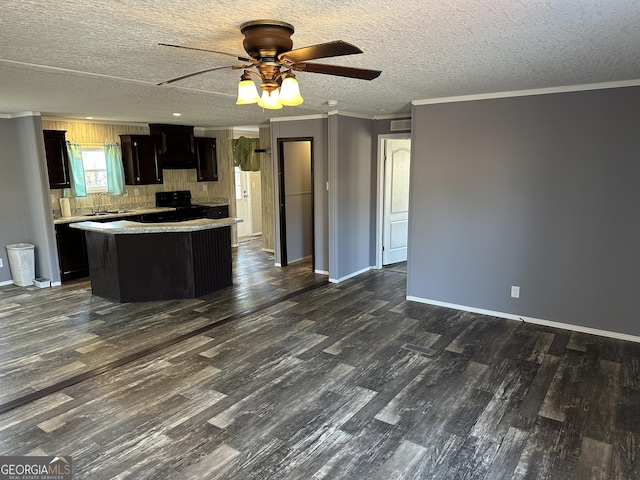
x=290 y=92
x=272 y=101
x=247 y=93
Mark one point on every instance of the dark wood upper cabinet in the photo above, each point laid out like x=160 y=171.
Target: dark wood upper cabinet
x=142 y=164
x=55 y=147
x=176 y=145
x=206 y=159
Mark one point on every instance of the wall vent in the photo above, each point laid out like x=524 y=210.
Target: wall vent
x=400 y=125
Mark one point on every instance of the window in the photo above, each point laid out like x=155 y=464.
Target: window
x=95 y=170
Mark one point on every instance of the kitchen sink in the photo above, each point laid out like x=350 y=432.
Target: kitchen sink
x=108 y=212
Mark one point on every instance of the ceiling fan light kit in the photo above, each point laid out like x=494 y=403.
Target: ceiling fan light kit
x=268 y=43
x=290 y=91
x=270 y=100
x=247 y=91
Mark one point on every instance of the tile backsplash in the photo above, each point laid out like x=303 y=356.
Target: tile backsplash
x=140 y=196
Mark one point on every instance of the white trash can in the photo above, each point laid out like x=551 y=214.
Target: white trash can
x=22 y=263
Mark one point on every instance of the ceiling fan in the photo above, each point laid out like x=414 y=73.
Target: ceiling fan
x=272 y=62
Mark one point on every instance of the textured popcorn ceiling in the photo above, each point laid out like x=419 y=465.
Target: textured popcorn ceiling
x=75 y=58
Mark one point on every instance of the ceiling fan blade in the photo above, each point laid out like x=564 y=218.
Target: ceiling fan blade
x=242 y=59
x=351 y=72
x=166 y=82
x=322 y=50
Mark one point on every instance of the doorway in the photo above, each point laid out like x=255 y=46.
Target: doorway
x=295 y=176
x=248 y=196
x=393 y=188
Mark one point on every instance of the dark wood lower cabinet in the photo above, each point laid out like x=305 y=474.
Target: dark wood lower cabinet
x=72 y=249
x=72 y=253
x=219 y=211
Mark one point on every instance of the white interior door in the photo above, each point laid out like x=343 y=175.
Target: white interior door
x=243 y=203
x=395 y=229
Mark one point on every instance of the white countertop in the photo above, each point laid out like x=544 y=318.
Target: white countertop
x=127 y=213
x=129 y=227
x=113 y=214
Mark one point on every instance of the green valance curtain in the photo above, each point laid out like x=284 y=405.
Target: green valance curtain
x=76 y=168
x=115 y=169
x=244 y=155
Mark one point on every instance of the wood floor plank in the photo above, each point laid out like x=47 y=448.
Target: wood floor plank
x=625 y=455
x=507 y=455
x=403 y=461
x=604 y=401
x=595 y=460
x=212 y=463
x=536 y=459
x=317 y=386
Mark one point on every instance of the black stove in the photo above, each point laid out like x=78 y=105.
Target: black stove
x=184 y=209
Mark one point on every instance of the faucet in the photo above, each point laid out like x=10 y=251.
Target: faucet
x=98 y=200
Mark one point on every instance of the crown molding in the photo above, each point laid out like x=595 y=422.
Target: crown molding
x=393 y=116
x=302 y=117
x=98 y=121
x=19 y=114
x=349 y=114
x=525 y=93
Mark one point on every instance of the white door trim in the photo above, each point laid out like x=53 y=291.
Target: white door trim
x=245 y=191
x=380 y=188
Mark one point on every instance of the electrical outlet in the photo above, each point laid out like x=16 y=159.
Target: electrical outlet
x=515 y=292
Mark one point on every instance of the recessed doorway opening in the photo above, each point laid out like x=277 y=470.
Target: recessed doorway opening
x=295 y=176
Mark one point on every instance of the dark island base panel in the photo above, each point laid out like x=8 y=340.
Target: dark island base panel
x=159 y=266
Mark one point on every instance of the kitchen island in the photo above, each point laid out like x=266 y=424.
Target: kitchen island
x=134 y=262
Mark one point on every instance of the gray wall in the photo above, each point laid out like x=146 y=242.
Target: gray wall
x=317 y=129
x=352 y=189
x=25 y=213
x=542 y=192
x=12 y=226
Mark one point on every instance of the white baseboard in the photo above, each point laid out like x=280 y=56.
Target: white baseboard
x=10 y=282
x=278 y=264
x=351 y=275
x=269 y=250
x=536 y=321
x=321 y=272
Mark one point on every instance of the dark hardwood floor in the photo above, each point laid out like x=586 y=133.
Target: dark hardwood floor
x=330 y=384
x=50 y=335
